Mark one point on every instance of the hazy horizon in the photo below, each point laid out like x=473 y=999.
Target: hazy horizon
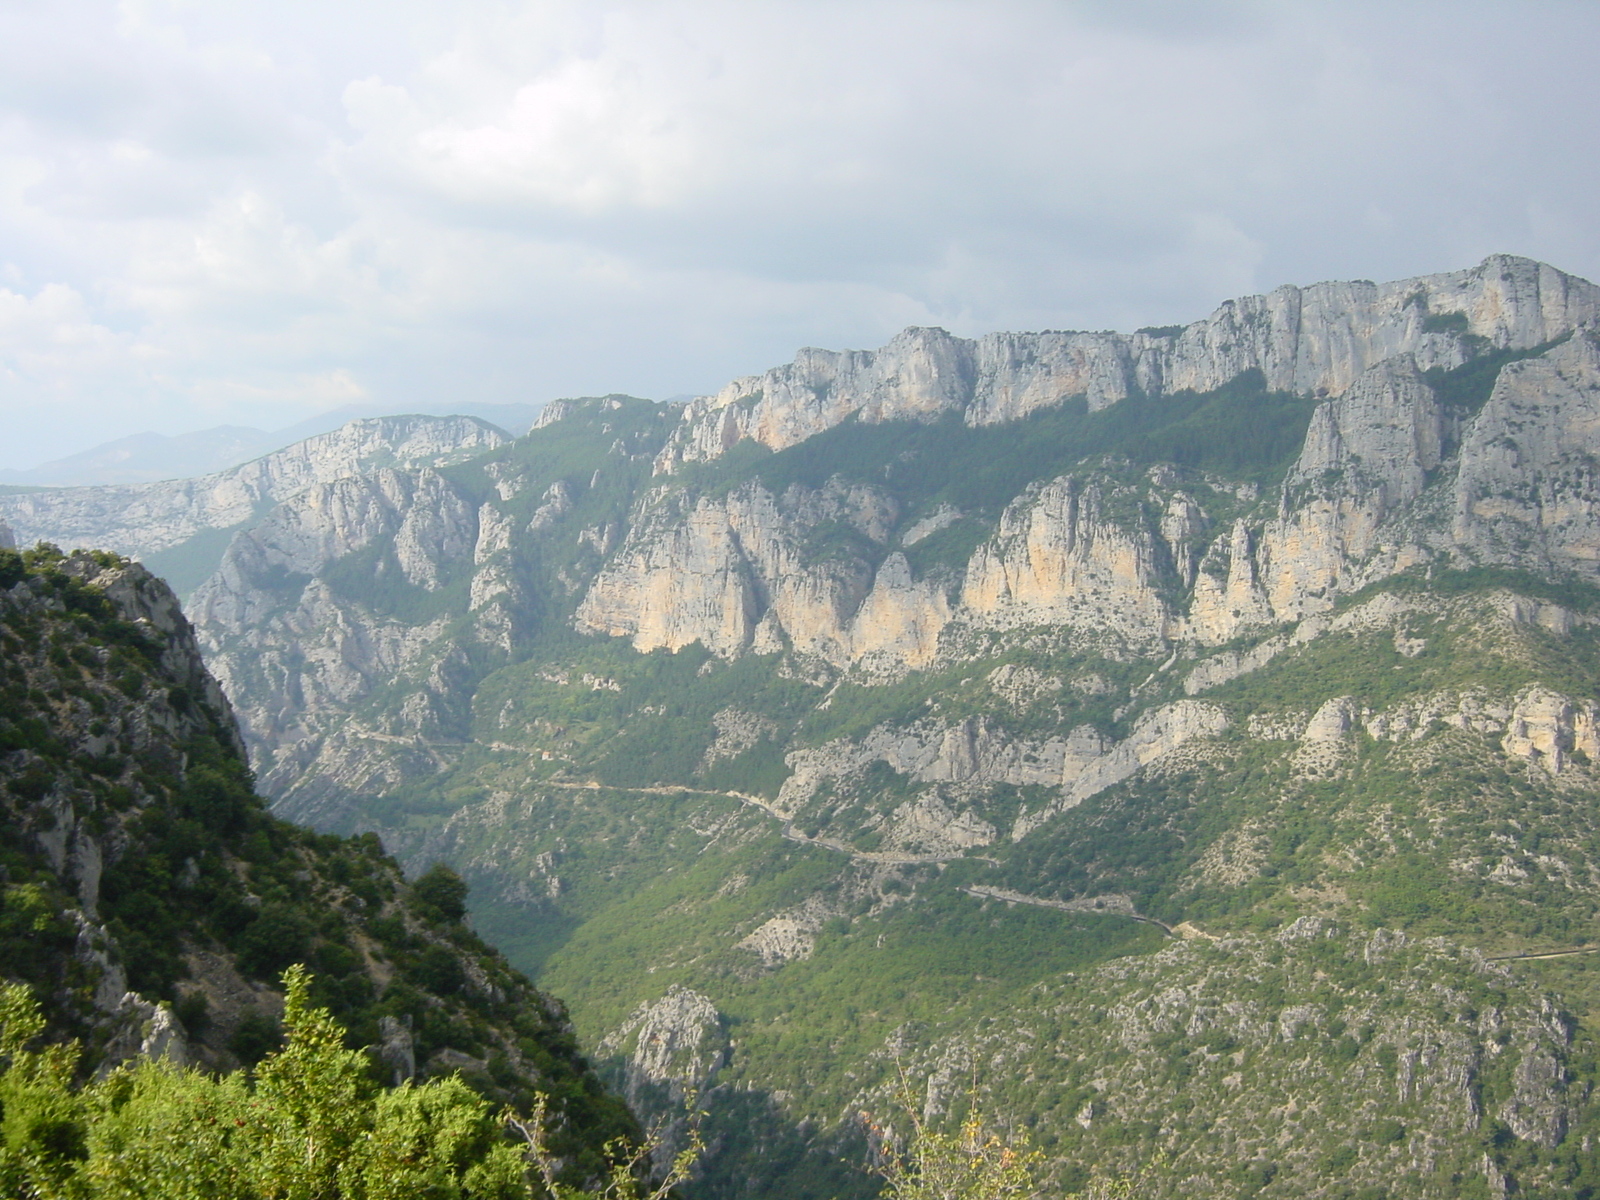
x=221 y=217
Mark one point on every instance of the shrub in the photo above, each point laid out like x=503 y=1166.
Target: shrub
x=440 y=893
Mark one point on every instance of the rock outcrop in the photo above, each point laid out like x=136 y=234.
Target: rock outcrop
x=1057 y=558
x=142 y=519
x=1318 y=339
x=677 y=1043
x=753 y=571
x=1526 y=491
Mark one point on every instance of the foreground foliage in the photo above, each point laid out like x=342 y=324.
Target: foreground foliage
x=973 y=1163
x=307 y=1124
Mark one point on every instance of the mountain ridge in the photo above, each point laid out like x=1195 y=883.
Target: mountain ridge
x=1302 y=339
x=153 y=457
x=1181 y=767
x=181 y=526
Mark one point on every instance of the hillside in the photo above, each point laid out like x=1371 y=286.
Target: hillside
x=154 y=458
x=179 y=528
x=1186 y=739
x=152 y=903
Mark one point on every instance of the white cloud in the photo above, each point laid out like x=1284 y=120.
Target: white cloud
x=218 y=212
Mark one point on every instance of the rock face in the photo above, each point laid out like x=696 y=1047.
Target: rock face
x=1058 y=558
x=1362 y=501
x=675 y=1042
x=282 y=622
x=141 y=598
x=141 y=519
x=58 y=821
x=1307 y=340
x=1526 y=489
x=743 y=573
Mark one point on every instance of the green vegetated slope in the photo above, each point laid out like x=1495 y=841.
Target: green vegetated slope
x=1241 y=430
x=150 y=901
x=1327 y=1035
x=1274 y=981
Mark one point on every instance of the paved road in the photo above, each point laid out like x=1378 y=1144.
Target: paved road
x=1115 y=904
x=789 y=831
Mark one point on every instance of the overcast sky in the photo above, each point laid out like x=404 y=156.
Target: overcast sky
x=247 y=213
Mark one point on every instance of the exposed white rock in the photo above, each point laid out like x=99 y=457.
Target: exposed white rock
x=1528 y=490
x=789 y=936
x=1472 y=711
x=556 y=410
x=711 y=570
x=1545 y=728
x=1332 y=722
x=677 y=1042
x=1387 y=426
x=139 y=519
x=146 y=601
x=719 y=570
x=930 y=824
x=397 y=1049
x=1537 y=1109
x=1057 y=558
x=1158 y=733
x=1021 y=686
x=1305 y=340
x=943 y=518
x=973 y=752
x=737 y=731
x=781 y=940
x=143 y=1029
x=558 y=499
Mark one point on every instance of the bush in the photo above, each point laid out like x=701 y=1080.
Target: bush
x=276 y=938
x=311 y=1123
x=441 y=894
x=439 y=971
x=972 y=1163
x=256 y=1036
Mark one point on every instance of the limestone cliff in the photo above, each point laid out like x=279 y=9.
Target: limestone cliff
x=1317 y=339
x=299 y=651
x=346 y=588
x=142 y=519
x=1364 y=500
x=1526 y=489
x=747 y=572
x=1389 y=477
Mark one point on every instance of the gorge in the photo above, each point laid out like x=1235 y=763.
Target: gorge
x=1183 y=743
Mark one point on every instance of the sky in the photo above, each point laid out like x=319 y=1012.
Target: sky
x=225 y=213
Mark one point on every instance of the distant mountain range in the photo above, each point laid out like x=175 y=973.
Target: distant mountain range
x=153 y=457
